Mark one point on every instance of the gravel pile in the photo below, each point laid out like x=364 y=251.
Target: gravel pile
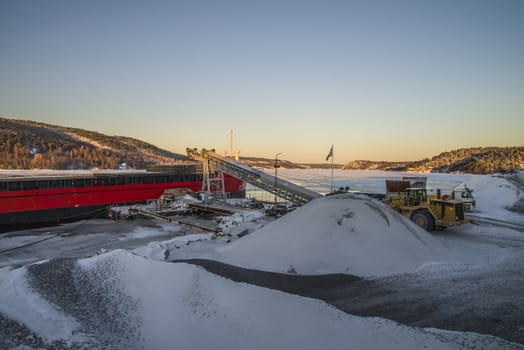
x=463 y=299
x=94 y=297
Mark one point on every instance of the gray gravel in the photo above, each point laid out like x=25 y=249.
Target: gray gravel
x=464 y=299
x=108 y=317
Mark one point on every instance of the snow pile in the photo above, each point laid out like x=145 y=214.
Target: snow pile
x=228 y=224
x=240 y=202
x=173 y=248
x=494 y=195
x=338 y=234
x=148 y=232
x=165 y=306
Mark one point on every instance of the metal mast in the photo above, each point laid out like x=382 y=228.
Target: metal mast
x=231 y=143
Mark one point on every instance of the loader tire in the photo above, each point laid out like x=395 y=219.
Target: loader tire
x=423 y=219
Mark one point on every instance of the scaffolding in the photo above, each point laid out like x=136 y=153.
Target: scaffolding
x=212 y=183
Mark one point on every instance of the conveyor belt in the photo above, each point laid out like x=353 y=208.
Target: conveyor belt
x=280 y=187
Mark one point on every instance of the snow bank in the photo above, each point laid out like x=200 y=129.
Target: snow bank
x=184 y=306
x=148 y=232
x=235 y=223
x=338 y=234
x=493 y=195
x=167 y=250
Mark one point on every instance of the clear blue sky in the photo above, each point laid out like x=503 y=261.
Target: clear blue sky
x=382 y=80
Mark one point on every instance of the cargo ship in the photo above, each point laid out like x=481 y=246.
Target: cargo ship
x=30 y=198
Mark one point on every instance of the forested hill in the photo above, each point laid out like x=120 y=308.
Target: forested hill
x=479 y=160
x=32 y=145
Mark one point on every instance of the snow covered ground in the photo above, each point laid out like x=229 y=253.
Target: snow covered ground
x=338 y=234
x=133 y=299
x=128 y=301
x=493 y=193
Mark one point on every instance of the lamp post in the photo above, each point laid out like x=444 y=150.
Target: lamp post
x=276 y=166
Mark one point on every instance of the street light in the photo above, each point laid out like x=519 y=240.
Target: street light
x=276 y=166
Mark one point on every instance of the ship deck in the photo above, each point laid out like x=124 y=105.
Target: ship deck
x=54 y=174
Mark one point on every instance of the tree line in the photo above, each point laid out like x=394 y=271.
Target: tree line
x=475 y=160
x=33 y=145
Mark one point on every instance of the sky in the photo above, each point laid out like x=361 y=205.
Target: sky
x=379 y=80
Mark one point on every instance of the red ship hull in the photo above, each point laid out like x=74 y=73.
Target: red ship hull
x=50 y=205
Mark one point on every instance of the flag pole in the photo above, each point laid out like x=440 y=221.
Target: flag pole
x=330 y=154
x=332 y=161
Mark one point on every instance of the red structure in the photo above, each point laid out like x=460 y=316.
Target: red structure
x=30 y=199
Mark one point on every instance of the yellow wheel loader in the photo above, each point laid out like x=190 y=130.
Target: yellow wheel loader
x=429 y=213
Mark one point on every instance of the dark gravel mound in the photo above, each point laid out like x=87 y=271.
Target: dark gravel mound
x=478 y=301
x=316 y=286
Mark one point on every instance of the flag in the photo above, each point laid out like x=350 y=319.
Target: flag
x=330 y=154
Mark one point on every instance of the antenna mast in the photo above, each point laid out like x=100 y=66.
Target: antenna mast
x=231 y=143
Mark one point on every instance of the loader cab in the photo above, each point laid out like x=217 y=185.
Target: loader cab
x=465 y=195
x=415 y=196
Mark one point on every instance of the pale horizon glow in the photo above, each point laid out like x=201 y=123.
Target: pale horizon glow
x=381 y=80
